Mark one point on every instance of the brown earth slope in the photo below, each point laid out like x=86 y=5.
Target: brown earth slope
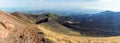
x=23 y=17
x=14 y=30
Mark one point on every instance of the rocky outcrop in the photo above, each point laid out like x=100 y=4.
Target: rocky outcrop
x=39 y=18
x=14 y=30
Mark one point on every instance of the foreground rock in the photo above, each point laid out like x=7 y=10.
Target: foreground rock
x=13 y=30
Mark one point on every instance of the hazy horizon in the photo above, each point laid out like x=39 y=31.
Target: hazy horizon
x=102 y=5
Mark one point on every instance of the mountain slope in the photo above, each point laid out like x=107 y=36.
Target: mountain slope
x=58 y=28
x=14 y=30
x=25 y=18
x=63 y=38
x=104 y=24
x=60 y=34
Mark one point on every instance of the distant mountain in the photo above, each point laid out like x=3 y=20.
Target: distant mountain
x=64 y=12
x=106 y=23
x=105 y=12
x=56 y=11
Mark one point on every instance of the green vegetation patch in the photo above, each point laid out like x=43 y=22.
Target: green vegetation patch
x=51 y=15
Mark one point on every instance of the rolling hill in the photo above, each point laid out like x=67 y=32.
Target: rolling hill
x=58 y=33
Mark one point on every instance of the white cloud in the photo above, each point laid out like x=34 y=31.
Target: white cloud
x=108 y=5
x=78 y=4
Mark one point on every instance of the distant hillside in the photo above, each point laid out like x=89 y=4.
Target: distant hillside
x=47 y=21
x=101 y=24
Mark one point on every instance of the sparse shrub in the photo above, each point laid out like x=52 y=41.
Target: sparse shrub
x=51 y=15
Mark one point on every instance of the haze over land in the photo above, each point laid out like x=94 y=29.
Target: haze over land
x=81 y=6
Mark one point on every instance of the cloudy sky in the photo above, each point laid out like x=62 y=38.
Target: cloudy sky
x=113 y=5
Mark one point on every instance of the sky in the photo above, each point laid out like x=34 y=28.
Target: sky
x=112 y=5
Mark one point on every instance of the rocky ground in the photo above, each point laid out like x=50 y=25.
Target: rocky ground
x=14 y=30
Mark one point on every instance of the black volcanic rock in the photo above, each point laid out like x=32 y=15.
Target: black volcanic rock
x=39 y=18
